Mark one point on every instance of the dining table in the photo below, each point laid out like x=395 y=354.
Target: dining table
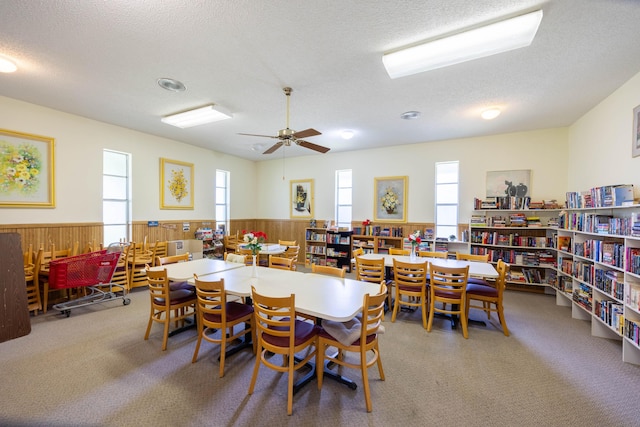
x=183 y=271
x=317 y=295
x=267 y=249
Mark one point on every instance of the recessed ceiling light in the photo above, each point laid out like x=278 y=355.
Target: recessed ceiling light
x=171 y=85
x=347 y=134
x=410 y=115
x=257 y=147
x=7 y=66
x=490 y=113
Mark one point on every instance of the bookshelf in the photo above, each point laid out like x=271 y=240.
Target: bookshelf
x=523 y=238
x=599 y=268
x=315 y=247
x=339 y=248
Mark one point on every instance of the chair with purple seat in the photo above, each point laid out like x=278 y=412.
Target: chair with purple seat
x=474 y=258
x=167 y=305
x=216 y=314
x=489 y=295
x=411 y=283
x=279 y=332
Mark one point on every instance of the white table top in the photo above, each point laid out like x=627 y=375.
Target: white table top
x=269 y=248
x=476 y=269
x=182 y=271
x=318 y=295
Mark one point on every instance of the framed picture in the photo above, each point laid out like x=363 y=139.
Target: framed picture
x=176 y=184
x=635 y=143
x=26 y=170
x=509 y=183
x=301 y=201
x=390 y=199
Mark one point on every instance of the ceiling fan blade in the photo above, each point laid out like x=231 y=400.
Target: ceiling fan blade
x=273 y=148
x=306 y=133
x=312 y=146
x=253 y=134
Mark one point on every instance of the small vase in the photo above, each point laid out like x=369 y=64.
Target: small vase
x=254 y=270
x=412 y=254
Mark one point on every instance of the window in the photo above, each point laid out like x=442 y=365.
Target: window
x=222 y=199
x=447 y=199
x=116 y=199
x=343 y=198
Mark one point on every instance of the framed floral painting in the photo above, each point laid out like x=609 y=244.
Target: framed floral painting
x=390 y=199
x=176 y=184
x=301 y=201
x=26 y=170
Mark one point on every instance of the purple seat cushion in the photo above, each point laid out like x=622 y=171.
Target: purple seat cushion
x=174 y=286
x=477 y=281
x=303 y=332
x=326 y=335
x=235 y=311
x=178 y=296
x=483 y=290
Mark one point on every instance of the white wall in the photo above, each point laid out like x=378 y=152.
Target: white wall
x=600 y=143
x=544 y=152
x=78 y=168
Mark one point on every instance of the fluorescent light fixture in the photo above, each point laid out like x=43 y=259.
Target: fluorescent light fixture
x=7 y=66
x=484 y=41
x=490 y=113
x=196 y=117
x=347 y=134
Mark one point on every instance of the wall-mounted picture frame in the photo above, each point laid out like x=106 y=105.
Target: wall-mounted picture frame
x=26 y=170
x=176 y=184
x=509 y=183
x=301 y=200
x=390 y=199
x=635 y=142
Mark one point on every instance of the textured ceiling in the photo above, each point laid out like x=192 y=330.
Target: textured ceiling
x=101 y=59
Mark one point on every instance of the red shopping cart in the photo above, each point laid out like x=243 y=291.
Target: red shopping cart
x=93 y=270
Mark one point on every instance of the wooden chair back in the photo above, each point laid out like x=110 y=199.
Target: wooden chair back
x=371 y=270
x=411 y=283
x=328 y=270
x=280 y=263
x=399 y=251
x=172 y=259
x=433 y=254
x=287 y=242
x=472 y=257
x=159 y=249
x=448 y=286
x=231 y=257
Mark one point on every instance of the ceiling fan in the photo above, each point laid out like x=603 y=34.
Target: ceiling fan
x=286 y=136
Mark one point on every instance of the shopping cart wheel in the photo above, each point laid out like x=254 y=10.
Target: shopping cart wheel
x=126 y=301
x=67 y=313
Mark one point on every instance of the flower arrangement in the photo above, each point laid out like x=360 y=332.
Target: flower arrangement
x=19 y=168
x=178 y=185
x=254 y=240
x=366 y=222
x=415 y=240
x=390 y=200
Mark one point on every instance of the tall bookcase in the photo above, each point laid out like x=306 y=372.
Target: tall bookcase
x=599 y=272
x=525 y=239
x=328 y=247
x=315 y=246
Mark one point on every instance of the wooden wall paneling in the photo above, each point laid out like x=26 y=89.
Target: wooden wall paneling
x=62 y=235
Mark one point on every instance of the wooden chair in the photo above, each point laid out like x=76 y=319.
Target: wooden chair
x=489 y=295
x=231 y=257
x=120 y=276
x=399 y=251
x=215 y=313
x=138 y=258
x=331 y=271
x=248 y=255
x=474 y=258
x=411 y=282
x=31 y=267
x=448 y=286
x=355 y=253
x=279 y=332
x=281 y=263
x=172 y=259
x=287 y=242
x=167 y=305
x=292 y=252
x=433 y=254
x=371 y=270
x=371 y=318
x=159 y=249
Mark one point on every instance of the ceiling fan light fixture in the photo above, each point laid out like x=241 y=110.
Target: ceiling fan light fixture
x=347 y=134
x=490 y=113
x=198 y=116
x=7 y=65
x=171 y=85
x=410 y=115
x=476 y=43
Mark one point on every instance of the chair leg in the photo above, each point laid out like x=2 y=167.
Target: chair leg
x=424 y=313
x=165 y=337
x=463 y=320
x=365 y=380
x=379 y=361
x=146 y=335
x=502 y=320
x=396 y=306
x=223 y=349
x=290 y=385
x=431 y=310
x=256 y=368
x=320 y=362
x=197 y=350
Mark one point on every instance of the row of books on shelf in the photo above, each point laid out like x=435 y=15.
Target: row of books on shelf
x=527 y=275
x=632 y=330
x=512 y=203
x=378 y=230
x=311 y=259
x=513 y=220
x=600 y=224
x=511 y=239
x=610 y=282
x=544 y=259
x=582 y=295
x=338 y=253
x=597 y=197
x=632 y=297
x=317 y=237
x=611 y=313
x=602 y=251
x=633 y=260
x=312 y=249
x=338 y=239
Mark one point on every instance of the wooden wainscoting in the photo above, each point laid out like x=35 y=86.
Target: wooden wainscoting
x=62 y=235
